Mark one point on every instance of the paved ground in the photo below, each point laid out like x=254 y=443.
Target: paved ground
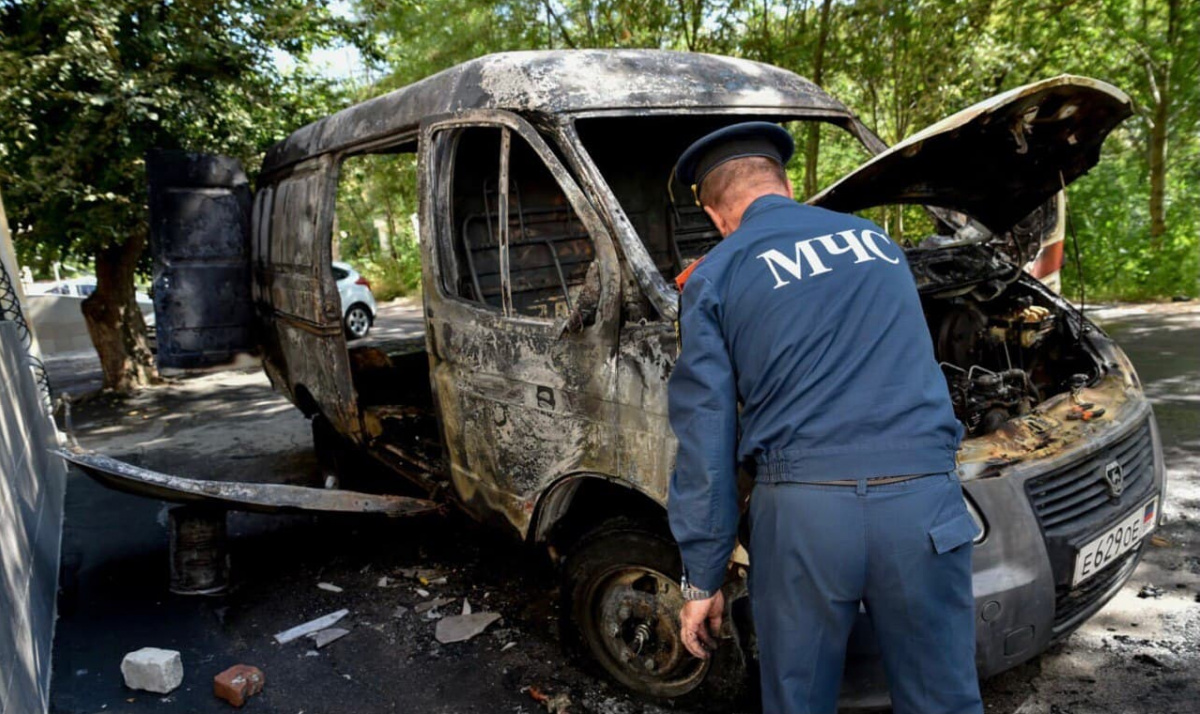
x=1137 y=655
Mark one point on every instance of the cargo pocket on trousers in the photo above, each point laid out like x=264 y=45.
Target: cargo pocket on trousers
x=957 y=531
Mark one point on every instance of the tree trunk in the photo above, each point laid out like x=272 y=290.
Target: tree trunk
x=114 y=319
x=1160 y=90
x=390 y=212
x=813 y=147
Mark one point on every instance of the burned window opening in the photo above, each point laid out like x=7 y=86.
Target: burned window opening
x=517 y=237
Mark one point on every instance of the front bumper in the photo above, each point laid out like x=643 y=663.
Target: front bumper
x=1023 y=567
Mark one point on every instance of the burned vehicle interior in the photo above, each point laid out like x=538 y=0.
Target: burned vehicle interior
x=546 y=254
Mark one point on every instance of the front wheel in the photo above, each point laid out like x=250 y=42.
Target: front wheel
x=623 y=581
x=357 y=321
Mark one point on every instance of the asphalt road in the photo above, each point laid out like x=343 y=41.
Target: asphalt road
x=1136 y=655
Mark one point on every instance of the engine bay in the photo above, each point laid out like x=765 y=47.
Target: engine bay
x=1004 y=355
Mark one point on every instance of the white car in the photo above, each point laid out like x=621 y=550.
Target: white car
x=358 y=304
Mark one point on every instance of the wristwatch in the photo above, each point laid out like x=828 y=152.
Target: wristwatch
x=691 y=592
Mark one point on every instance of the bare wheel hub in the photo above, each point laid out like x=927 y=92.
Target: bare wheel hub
x=637 y=611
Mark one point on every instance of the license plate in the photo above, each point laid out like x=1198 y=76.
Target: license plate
x=1121 y=538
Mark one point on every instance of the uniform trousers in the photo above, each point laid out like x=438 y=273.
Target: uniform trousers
x=901 y=549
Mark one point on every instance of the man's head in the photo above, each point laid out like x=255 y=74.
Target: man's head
x=731 y=167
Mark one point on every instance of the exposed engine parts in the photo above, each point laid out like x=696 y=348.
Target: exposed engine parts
x=1001 y=357
x=984 y=399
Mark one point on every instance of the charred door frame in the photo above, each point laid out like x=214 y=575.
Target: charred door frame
x=526 y=367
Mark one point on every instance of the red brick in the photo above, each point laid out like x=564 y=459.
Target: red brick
x=238 y=683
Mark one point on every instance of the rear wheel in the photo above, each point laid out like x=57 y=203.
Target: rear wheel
x=357 y=321
x=623 y=581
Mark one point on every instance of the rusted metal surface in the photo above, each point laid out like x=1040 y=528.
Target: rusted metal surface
x=199 y=550
x=200 y=240
x=236 y=495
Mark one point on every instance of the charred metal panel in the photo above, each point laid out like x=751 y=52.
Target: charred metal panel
x=199 y=237
x=237 y=495
x=296 y=294
x=551 y=82
x=523 y=401
x=1024 y=145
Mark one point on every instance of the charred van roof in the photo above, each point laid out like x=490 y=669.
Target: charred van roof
x=564 y=81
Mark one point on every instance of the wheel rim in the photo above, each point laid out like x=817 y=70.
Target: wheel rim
x=357 y=321
x=633 y=627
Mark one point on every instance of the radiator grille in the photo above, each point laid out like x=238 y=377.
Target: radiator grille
x=1069 y=495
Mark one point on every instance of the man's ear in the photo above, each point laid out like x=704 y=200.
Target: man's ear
x=718 y=220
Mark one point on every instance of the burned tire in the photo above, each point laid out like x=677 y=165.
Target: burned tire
x=623 y=583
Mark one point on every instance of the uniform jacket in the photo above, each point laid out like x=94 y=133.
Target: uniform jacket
x=811 y=322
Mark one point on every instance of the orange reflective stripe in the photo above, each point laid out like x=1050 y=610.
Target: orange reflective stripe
x=682 y=278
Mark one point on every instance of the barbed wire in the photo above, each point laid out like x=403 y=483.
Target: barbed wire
x=10 y=310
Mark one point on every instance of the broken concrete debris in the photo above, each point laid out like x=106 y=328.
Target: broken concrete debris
x=466 y=608
x=153 y=670
x=329 y=587
x=326 y=636
x=238 y=683
x=311 y=626
x=433 y=604
x=460 y=628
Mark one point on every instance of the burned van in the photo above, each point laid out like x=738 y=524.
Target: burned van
x=550 y=228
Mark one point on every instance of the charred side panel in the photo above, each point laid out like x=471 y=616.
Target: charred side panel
x=199 y=237
x=645 y=442
x=297 y=297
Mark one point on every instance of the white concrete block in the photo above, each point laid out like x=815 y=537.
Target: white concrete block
x=152 y=670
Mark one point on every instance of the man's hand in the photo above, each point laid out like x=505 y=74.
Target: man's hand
x=700 y=620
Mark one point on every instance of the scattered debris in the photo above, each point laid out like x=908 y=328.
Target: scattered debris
x=508 y=646
x=153 y=670
x=326 y=636
x=329 y=587
x=311 y=626
x=399 y=612
x=432 y=604
x=422 y=593
x=556 y=704
x=1159 y=542
x=459 y=628
x=384 y=582
x=422 y=574
x=466 y=608
x=1150 y=591
x=238 y=683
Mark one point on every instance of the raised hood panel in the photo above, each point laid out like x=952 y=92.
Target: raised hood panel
x=996 y=161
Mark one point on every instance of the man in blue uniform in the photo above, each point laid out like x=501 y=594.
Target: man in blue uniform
x=810 y=321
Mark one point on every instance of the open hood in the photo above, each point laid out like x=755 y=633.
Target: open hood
x=995 y=161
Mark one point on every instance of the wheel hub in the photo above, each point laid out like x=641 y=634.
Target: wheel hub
x=638 y=614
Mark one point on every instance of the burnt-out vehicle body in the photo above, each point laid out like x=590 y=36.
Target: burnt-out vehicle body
x=536 y=398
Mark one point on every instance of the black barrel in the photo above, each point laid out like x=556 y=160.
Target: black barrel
x=200 y=241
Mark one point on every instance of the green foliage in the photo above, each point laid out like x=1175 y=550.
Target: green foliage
x=902 y=66
x=376 y=221
x=87 y=87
